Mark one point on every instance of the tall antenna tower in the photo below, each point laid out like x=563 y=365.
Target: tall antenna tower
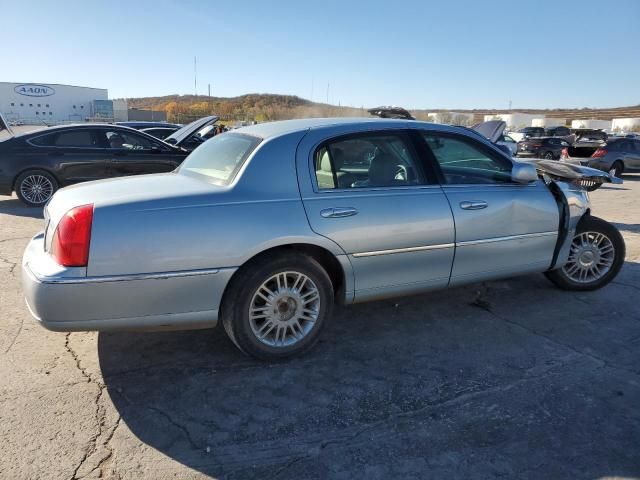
x=195 y=77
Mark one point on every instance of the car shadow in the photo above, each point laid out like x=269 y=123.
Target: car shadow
x=628 y=227
x=13 y=206
x=383 y=386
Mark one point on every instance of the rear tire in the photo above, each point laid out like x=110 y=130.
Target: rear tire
x=275 y=308
x=35 y=187
x=596 y=257
x=617 y=169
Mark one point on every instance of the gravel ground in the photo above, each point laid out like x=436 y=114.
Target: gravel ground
x=508 y=379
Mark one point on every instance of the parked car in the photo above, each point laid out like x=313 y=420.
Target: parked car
x=263 y=228
x=561 y=132
x=617 y=156
x=549 y=148
x=160 y=132
x=36 y=164
x=532 y=132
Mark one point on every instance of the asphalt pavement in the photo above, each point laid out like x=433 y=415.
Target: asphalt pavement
x=505 y=379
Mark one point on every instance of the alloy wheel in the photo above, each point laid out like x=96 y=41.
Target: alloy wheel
x=36 y=188
x=284 y=309
x=590 y=258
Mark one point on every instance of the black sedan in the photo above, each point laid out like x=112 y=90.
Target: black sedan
x=542 y=147
x=36 y=164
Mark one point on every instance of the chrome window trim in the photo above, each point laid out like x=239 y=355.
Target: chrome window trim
x=507 y=238
x=126 y=278
x=403 y=250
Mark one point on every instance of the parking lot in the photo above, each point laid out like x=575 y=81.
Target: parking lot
x=511 y=379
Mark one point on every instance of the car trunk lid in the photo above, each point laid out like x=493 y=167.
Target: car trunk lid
x=180 y=136
x=492 y=129
x=140 y=190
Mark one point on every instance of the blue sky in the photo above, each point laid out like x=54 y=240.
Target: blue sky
x=418 y=54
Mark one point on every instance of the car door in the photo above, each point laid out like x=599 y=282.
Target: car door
x=74 y=154
x=633 y=155
x=135 y=154
x=368 y=192
x=502 y=228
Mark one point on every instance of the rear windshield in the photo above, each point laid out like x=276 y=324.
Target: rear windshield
x=219 y=159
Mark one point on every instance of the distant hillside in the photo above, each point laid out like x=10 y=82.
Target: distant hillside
x=254 y=106
x=266 y=107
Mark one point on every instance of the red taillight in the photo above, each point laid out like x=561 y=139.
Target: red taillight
x=601 y=152
x=70 y=243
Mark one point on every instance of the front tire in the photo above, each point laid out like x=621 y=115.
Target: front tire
x=275 y=308
x=595 y=258
x=35 y=187
x=549 y=156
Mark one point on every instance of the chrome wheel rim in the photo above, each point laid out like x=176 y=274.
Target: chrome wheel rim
x=548 y=156
x=590 y=258
x=284 y=309
x=36 y=188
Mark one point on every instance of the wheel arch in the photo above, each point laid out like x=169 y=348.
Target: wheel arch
x=621 y=162
x=337 y=267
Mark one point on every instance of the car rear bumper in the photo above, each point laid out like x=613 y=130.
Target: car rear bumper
x=64 y=300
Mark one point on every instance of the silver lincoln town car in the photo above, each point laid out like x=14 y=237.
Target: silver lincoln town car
x=265 y=227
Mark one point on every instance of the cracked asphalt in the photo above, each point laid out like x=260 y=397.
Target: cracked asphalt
x=510 y=379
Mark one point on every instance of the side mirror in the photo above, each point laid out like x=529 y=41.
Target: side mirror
x=524 y=173
x=172 y=141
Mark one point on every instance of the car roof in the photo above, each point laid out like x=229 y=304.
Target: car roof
x=284 y=127
x=58 y=128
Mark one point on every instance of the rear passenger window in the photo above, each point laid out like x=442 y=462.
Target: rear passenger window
x=44 y=140
x=77 y=138
x=463 y=162
x=371 y=160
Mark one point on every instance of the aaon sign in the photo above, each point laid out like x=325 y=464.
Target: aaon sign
x=31 y=90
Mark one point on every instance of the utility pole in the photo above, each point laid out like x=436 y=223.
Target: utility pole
x=311 y=98
x=195 y=77
x=509 y=104
x=209 y=89
x=327 y=93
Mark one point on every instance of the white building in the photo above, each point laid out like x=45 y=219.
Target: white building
x=591 y=123
x=625 y=124
x=35 y=103
x=514 y=121
x=453 y=118
x=548 y=122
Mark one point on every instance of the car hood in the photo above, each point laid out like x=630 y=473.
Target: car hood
x=492 y=129
x=569 y=172
x=179 y=136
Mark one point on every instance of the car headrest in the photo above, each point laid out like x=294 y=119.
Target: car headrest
x=383 y=169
